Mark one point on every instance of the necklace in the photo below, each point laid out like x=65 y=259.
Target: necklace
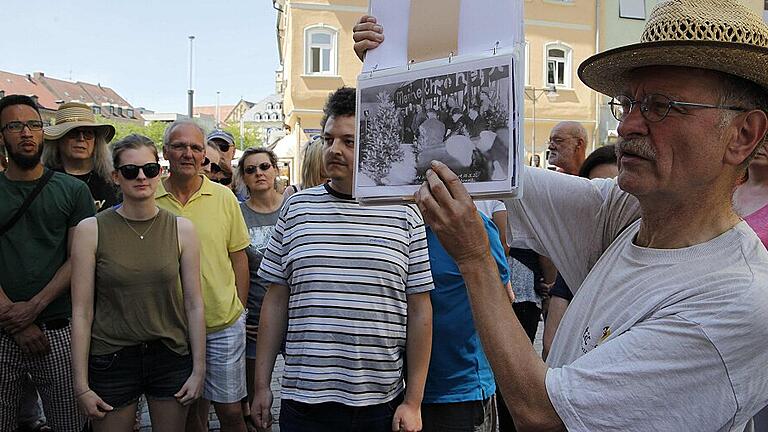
x=141 y=236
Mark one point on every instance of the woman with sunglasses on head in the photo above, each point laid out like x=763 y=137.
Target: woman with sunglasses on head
x=258 y=171
x=137 y=308
x=77 y=145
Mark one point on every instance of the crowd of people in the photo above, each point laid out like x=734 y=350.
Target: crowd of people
x=647 y=262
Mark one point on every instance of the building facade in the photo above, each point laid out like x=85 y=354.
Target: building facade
x=314 y=39
x=316 y=54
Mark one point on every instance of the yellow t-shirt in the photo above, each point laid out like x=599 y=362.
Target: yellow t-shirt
x=218 y=221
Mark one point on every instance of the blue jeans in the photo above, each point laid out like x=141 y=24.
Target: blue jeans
x=336 y=417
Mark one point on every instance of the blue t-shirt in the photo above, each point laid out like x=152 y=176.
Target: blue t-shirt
x=458 y=369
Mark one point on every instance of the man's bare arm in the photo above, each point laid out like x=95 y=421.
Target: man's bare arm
x=520 y=373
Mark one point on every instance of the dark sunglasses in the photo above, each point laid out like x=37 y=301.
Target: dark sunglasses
x=131 y=171
x=223 y=146
x=264 y=166
x=215 y=168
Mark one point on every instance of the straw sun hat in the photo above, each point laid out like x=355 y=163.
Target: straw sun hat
x=721 y=35
x=74 y=115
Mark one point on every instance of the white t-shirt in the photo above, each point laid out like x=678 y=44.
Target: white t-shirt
x=489 y=207
x=654 y=340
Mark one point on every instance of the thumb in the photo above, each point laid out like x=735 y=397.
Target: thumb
x=103 y=405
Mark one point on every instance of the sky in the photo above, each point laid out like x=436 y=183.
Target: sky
x=140 y=48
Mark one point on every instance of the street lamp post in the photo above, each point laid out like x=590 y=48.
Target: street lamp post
x=218 y=115
x=190 y=91
x=533 y=94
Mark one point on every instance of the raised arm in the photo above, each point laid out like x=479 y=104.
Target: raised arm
x=193 y=305
x=520 y=373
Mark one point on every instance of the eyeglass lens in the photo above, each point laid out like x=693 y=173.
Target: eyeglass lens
x=130 y=171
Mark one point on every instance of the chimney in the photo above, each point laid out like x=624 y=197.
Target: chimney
x=39 y=75
x=29 y=78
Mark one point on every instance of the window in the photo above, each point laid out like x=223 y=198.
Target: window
x=96 y=110
x=112 y=110
x=130 y=113
x=257 y=116
x=120 y=112
x=558 y=67
x=320 y=55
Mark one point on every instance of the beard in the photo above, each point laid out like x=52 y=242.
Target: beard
x=26 y=163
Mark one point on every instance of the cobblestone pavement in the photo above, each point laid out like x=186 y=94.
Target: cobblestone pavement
x=276 y=379
x=213 y=422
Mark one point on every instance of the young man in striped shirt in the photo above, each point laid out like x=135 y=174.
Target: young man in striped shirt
x=350 y=292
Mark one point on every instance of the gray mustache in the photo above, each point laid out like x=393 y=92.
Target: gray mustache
x=637 y=146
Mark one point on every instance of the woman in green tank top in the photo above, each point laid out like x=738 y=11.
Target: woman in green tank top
x=137 y=308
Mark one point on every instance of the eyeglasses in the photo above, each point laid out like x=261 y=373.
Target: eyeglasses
x=264 y=166
x=131 y=171
x=88 y=134
x=180 y=147
x=17 y=126
x=656 y=107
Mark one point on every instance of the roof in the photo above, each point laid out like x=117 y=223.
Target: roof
x=51 y=92
x=210 y=110
x=27 y=85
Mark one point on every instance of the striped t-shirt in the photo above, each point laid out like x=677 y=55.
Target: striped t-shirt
x=349 y=269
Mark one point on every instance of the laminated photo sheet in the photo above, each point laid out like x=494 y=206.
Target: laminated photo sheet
x=462 y=113
x=481 y=24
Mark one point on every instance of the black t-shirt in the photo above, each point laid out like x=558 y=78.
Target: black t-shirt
x=104 y=192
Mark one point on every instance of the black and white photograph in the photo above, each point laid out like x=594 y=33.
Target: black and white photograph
x=458 y=114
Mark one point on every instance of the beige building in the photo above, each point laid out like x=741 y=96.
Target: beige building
x=314 y=39
x=559 y=35
x=316 y=55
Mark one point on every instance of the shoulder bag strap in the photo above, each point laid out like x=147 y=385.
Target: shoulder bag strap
x=27 y=202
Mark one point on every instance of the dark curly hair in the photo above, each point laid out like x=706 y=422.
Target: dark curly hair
x=601 y=156
x=339 y=103
x=16 y=99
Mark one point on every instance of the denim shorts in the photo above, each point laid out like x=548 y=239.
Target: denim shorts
x=150 y=368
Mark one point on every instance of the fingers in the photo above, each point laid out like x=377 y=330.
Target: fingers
x=450 y=181
x=396 y=420
x=429 y=208
x=367 y=18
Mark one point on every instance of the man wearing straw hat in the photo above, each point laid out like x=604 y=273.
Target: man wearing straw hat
x=77 y=145
x=667 y=329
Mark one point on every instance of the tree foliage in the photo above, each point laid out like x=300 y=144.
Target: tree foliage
x=382 y=148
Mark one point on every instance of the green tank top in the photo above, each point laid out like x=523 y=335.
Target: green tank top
x=138 y=294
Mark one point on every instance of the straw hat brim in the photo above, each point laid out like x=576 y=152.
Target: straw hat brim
x=57 y=131
x=608 y=72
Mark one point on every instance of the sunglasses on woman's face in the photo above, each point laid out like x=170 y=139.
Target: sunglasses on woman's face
x=264 y=166
x=131 y=171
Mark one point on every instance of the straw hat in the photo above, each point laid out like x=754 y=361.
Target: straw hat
x=721 y=35
x=74 y=115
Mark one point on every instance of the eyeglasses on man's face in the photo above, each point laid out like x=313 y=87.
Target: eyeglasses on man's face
x=180 y=147
x=655 y=107
x=17 y=126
